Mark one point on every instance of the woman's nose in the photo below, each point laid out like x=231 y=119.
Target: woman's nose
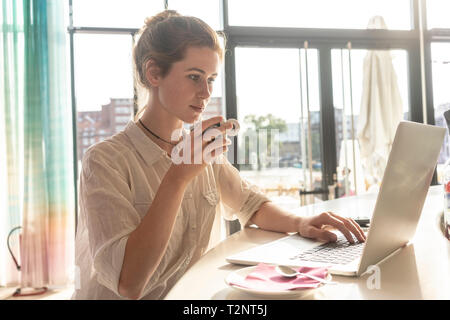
x=205 y=90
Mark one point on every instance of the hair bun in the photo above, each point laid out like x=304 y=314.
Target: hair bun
x=160 y=17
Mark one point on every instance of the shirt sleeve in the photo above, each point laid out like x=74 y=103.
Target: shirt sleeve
x=106 y=204
x=240 y=198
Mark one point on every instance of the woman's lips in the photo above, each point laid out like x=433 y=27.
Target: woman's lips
x=198 y=109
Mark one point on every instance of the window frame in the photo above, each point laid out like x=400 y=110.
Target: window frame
x=324 y=40
x=72 y=30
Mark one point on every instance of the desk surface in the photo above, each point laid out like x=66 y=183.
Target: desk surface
x=421 y=270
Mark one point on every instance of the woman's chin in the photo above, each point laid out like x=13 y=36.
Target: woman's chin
x=192 y=118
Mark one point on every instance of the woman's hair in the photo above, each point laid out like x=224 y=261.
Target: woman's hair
x=165 y=38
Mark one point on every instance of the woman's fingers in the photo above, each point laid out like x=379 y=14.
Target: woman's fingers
x=344 y=225
x=327 y=219
x=214 y=149
x=211 y=121
x=214 y=124
x=320 y=234
x=217 y=152
x=206 y=141
x=216 y=132
x=352 y=226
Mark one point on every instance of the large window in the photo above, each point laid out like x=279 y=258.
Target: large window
x=276 y=96
x=337 y=30
x=103 y=66
x=113 y=13
x=438 y=59
x=288 y=67
x=207 y=10
x=102 y=36
x=351 y=70
x=437 y=14
x=331 y=14
x=104 y=86
x=440 y=53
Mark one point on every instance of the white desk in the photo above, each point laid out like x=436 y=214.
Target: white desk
x=419 y=271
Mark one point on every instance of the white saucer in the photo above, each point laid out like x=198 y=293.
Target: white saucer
x=240 y=274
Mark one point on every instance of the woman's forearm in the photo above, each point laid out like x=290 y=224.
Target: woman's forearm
x=319 y=227
x=147 y=244
x=272 y=218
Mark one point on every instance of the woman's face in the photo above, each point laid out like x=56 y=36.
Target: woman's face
x=186 y=89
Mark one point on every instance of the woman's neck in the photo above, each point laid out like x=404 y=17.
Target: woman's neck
x=163 y=124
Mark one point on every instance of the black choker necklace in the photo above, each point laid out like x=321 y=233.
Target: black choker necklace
x=155 y=135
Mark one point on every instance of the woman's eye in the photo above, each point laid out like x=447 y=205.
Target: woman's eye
x=211 y=80
x=194 y=77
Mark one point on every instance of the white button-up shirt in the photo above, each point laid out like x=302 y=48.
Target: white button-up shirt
x=119 y=179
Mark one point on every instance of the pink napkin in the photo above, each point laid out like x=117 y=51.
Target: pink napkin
x=265 y=278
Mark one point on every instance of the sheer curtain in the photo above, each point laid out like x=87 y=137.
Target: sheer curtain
x=11 y=136
x=36 y=136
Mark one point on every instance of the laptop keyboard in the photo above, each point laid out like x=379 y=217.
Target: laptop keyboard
x=339 y=252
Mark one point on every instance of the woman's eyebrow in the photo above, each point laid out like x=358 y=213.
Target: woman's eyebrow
x=199 y=70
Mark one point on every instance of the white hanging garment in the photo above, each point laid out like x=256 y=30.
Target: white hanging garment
x=381 y=109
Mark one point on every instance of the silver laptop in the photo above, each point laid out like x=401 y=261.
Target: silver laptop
x=397 y=210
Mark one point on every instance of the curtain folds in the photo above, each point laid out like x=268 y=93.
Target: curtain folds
x=11 y=136
x=46 y=197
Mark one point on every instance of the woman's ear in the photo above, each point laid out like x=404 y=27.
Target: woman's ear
x=152 y=73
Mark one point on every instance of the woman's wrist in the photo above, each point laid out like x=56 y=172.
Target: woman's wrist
x=173 y=176
x=298 y=222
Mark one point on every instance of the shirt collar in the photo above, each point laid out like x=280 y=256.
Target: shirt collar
x=148 y=149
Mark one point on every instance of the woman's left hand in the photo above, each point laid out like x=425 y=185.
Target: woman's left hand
x=317 y=227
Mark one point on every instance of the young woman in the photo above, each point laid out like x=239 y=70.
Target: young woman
x=144 y=219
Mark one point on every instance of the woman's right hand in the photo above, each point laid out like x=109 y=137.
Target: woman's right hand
x=197 y=150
